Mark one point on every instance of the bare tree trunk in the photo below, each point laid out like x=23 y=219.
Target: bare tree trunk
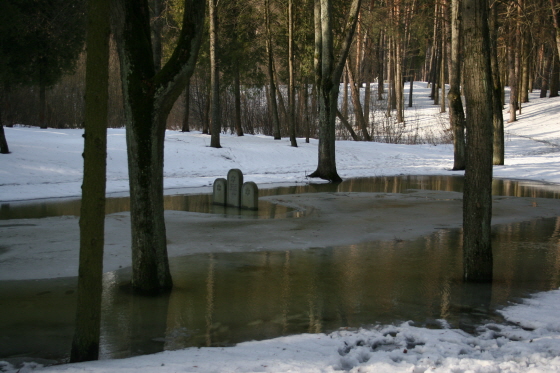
x=456 y=112
x=215 y=111
x=442 y=78
x=85 y=343
x=187 y=106
x=555 y=77
x=555 y=4
x=546 y=71
x=380 y=64
x=399 y=60
x=434 y=56
x=237 y=93
x=358 y=113
x=157 y=33
x=443 y=32
x=498 y=119
x=345 y=93
x=477 y=197
x=270 y=66
x=511 y=69
x=291 y=84
x=42 y=106
x=3 y=142
x=328 y=75
x=148 y=98
x=347 y=125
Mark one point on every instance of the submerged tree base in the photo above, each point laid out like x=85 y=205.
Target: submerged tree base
x=330 y=176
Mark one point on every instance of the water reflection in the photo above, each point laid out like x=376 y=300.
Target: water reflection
x=220 y=299
x=203 y=202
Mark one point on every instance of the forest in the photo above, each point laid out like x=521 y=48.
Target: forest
x=265 y=52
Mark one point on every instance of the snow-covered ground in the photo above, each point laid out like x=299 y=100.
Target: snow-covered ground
x=48 y=163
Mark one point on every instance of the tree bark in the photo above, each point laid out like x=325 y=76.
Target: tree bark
x=237 y=93
x=555 y=77
x=498 y=119
x=512 y=76
x=456 y=112
x=148 y=98
x=358 y=111
x=42 y=106
x=347 y=125
x=555 y=4
x=187 y=107
x=291 y=83
x=85 y=343
x=546 y=71
x=328 y=81
x=157 y=33
x=3 y=143
x=270 y=68
x=477 y=198
x=215 y=110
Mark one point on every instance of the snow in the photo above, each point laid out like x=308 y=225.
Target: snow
x=48 y=164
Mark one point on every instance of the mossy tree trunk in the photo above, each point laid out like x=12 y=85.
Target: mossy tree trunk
x=148 y=99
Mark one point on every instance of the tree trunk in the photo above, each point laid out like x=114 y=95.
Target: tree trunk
x=555 y=4
x=434 y=55
x=42 y=106
x=85 y=343
x=555 y=77
x=328 y=81
x=477 y=198
x=157 y=33
x=410 y=89
x=345 y=93
x=347 y=125
x=3 y=143
x=148 y=98
x=512 y=76
x=187 y=107
x=456 y=112
x=399 y=80
x=546 y=71
x=380 y=64
x=291 y=83
x=443 y=108
x=215 y=110
x=270 y=66
x=358 y=112
x=498 y=119
x=237 y=93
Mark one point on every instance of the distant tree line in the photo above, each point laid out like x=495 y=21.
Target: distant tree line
x=395 y=41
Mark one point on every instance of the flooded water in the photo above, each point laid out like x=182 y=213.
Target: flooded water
x=203 y=202
x=226 y=298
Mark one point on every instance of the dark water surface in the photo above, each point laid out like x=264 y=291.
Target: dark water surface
x=226 y=298
x=203 y=202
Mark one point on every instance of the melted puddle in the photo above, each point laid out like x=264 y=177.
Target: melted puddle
x=226 y=298
x=223 y=299
x=203 y=202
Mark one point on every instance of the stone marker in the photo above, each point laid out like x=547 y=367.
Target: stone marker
x=219 y=193
x=250 y=196
x=234 y=183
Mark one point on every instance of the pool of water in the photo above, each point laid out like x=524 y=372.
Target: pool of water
x=203 y=202
x=226 y=298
